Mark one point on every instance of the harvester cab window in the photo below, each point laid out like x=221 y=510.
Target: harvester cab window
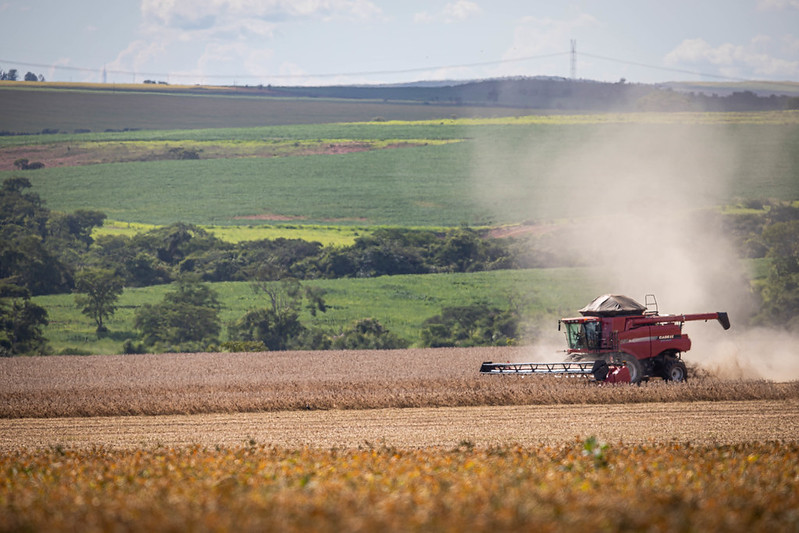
x=583 y=335
x=592 y=334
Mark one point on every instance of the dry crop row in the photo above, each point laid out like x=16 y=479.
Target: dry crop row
x=707 y=423
x=228 y=383
x=478 y=391
x=582 y=485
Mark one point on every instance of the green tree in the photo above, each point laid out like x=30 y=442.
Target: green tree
x=780 y=292
x=25 y=261
x=99 y=289
x=278 y=325
x=275 y=330
x=21 y=323
x=20 y=207
x=472 y=325
x=367 y=334
x=28 y=257
x=187 y=319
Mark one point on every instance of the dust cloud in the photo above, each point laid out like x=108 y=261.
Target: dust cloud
x=635 y=202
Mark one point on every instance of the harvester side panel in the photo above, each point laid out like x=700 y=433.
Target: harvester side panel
x=637 y=342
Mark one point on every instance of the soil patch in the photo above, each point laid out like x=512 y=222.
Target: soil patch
x=271 y=217
x=522 y=229
x=92 y=153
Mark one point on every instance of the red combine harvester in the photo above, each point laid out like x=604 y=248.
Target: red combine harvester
x=618 y=340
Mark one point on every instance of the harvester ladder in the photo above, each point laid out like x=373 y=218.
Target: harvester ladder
x=651 y=304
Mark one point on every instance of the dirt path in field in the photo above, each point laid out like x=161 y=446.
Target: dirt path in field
x=696 y=422
x=92 y=153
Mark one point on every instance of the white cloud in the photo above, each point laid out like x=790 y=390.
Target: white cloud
x=460 y=10
x=450 y=13
x=536 y=36
x=137 y=56
x=211 y=37
x=762 y=56
x=192 y=15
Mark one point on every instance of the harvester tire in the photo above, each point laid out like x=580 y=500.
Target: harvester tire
x=634 y=366
x=600 y=370
x=674 y=370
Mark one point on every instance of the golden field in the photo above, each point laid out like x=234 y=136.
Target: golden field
x=576 y=486
x=406 y=440
x=163 y=384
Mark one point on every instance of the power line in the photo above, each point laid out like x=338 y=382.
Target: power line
x=572 y=53
x=681 y=71
x=286 y=76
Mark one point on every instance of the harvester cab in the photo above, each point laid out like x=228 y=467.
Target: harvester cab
x=619 y=340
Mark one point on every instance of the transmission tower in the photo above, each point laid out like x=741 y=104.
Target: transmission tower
x=574 y=59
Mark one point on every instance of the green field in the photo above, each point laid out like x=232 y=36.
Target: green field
x=401 y=303
x=327 y=235
x=499 y=174
x=489 y=167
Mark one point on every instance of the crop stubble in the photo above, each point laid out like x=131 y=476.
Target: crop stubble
x=706 y=423
x=406 y=398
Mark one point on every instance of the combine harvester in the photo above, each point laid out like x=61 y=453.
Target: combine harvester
x=618 y=340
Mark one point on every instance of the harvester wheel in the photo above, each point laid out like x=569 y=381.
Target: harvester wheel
x=674 y=370
x=600 y=370
x=634 y=366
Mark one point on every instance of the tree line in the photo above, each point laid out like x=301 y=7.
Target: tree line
x=47 y=252
x=42 y=250
x=13 y=75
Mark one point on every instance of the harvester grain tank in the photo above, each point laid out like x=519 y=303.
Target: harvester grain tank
x=619 y=340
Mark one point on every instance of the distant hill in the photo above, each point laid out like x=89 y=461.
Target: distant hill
x=570 y=95
x=760 y=88
x=47 y=107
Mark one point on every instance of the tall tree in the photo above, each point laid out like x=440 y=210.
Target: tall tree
x=278 y=325
x=98 y=291
x=25 y=258
x=780 y=292
x=21 y=323
x=186 y=319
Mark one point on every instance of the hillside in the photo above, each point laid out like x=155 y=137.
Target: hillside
x=32 y=107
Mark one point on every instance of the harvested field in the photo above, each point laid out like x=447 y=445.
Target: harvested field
x=706 y=423
x=505 y=454
x=76 y=386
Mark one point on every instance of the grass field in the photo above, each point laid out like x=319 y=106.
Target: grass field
x=401 y=303
x=501 y=174
x=328 y=235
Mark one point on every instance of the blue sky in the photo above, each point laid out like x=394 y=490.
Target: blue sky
x=309 y=42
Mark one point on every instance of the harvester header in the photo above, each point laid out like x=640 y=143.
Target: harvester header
x=623 y=340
